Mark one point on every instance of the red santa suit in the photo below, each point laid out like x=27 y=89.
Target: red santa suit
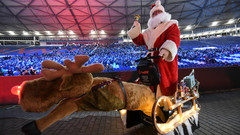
x=166 y=35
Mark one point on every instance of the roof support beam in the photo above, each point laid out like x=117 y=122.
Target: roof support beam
x=25 y=7
x=94 y=23
x=26 y=28
x=54 y=14
x=74 y=17
x=126 y=10
x=201 y=11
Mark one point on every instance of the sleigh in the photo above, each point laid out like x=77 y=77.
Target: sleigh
x=180 y=111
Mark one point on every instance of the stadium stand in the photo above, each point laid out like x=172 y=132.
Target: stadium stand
x=25 y=60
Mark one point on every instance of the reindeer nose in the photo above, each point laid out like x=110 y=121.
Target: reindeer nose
x=16 y=90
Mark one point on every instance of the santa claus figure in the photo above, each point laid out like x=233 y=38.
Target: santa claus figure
x=163 y=35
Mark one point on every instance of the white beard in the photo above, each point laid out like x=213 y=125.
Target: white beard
x=160 y=18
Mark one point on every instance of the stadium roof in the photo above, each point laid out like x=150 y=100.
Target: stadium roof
x=112 y=16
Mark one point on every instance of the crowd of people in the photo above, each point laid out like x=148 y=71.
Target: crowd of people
x=115 y=57
x=208 y=56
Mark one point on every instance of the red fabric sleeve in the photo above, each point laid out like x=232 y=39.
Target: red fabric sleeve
x=173 y=34
x=139 y=40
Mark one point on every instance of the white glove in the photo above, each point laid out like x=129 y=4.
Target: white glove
x=136 y=24
x=135 y=30
x=164 y=53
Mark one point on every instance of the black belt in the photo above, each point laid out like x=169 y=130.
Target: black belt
x=123 y=89
x=153 y=49
x=105 y=83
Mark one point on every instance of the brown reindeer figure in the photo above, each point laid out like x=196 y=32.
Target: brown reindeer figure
x=74 y=89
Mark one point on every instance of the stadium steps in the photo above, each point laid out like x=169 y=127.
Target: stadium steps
x=2 y=50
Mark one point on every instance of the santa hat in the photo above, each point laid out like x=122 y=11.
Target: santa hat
x=156 y=6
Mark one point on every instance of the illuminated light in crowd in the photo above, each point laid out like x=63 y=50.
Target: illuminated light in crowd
x=60 y=33
x=215 y=23
x=1 y=34
x=37 y=33
x=71 y=32
x=189 y=27
x=25 y=33
x=12 y=33
x=231 y=21
x=93 y=32
x=123 y=32
x=102 y=32
x=48 y=32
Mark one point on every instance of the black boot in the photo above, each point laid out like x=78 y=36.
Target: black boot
x=31 y=129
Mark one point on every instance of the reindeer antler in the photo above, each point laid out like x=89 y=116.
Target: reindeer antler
x=71 y=67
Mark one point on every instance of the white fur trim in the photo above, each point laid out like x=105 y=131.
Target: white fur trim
x=134 y=32
x=150 y=36
x=147 y=35
x=158 y=6
x=171 y=47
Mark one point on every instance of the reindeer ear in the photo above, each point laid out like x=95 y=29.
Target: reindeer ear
x=67 y=82
x=52 y=65
x=81 y=59
x=94 y=68
x=53 y=74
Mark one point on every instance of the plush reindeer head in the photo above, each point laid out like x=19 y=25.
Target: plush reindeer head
x=59 y=82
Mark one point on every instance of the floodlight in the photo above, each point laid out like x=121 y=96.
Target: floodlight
x=48 y=32
x=214 y=23
x=25 y=33
x=93 y=32
x=123 y=32
x=189 y=27
x=60 y=32
x=37 y=33
x=231 y=21
x=102 y=32
x=71 y=32
x=12 y=33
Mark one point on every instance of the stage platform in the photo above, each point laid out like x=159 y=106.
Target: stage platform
x=219 y=115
